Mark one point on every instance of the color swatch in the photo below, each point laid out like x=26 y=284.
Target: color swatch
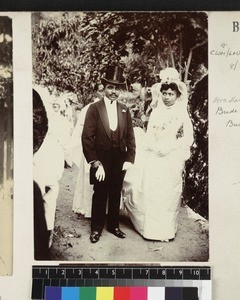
x=121 y=293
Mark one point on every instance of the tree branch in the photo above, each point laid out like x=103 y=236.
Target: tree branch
x=171 y=54
x=190 y=58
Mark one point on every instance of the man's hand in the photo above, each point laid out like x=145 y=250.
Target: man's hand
x=126 y=166
x=100 y=173
x=96 y=164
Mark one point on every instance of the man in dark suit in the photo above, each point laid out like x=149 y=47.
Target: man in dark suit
x=109 y=146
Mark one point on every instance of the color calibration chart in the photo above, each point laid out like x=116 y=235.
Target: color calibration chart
x=120 y=283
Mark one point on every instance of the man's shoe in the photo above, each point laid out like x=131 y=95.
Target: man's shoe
x=94 y=237
x=118 y=233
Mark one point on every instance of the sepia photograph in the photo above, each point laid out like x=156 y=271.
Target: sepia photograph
x=120 y=136
x=6 y=146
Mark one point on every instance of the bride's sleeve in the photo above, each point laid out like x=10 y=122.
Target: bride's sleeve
x=187 y=123
x=150 y=137
x=188 y=131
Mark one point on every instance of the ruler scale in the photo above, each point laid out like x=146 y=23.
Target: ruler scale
x=69 y=276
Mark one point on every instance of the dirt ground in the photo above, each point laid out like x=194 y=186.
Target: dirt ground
x=71 y=236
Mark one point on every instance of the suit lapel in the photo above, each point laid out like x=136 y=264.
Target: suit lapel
x=104 y=117
x=121 y=118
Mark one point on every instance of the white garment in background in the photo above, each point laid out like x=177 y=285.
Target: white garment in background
x=61 y=128
x=82 y=200
x=48 y=167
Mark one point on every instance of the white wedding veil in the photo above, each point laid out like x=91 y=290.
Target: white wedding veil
x=168 y=75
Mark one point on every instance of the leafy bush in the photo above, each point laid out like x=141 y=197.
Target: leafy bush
x=71 y=50
x=195 y=191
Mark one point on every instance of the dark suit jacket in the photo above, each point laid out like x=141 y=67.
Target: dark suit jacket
x=96 y=132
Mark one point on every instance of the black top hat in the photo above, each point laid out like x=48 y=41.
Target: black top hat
x=114 y=75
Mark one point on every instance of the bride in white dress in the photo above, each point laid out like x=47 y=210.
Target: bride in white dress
x=156 y=179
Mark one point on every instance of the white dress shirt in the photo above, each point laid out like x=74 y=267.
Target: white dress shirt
x=113 y=122
x=112 y=113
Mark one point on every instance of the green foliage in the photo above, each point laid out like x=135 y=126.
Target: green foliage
x=5 y=41
x=195 y=191
x=6 y=101
x=71 y=50
x=6 y=61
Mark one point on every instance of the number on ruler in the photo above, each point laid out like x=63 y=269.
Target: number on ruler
x=63 y=272
x=146 y=271
x=196 y=272
x=163 y=272
x=113 y=272
x=180 y=272
x=79 y=272
x=96 y=272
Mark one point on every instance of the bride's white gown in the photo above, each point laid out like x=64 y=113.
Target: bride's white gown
x=154 y=184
